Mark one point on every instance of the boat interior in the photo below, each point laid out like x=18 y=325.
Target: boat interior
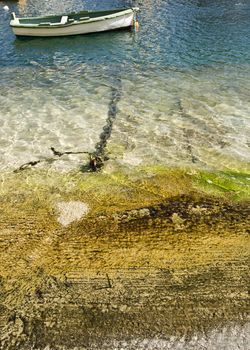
x=67 y=18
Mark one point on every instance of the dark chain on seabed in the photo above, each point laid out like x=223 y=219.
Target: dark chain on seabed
x=99 y=156
x=187 y=133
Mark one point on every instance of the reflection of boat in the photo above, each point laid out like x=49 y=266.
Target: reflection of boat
x=74 y=23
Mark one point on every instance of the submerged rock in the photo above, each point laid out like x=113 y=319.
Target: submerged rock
x=71 y=211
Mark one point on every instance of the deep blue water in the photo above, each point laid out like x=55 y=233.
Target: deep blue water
x=174 y=33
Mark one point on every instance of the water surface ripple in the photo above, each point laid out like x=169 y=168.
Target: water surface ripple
x=185 y=79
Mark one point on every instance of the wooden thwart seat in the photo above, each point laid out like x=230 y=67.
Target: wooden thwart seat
x=64 y=19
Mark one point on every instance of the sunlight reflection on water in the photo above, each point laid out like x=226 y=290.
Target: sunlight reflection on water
x=185 y=86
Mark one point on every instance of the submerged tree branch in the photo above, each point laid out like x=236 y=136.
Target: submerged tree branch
x=27 y=165
x=60 y=154
x=95 y=162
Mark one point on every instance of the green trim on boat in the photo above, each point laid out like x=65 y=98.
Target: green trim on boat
x=73 y=18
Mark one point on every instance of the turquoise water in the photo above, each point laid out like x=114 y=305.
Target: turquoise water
x=184 y=81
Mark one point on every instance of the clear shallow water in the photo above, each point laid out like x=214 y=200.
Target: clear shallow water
x=185 y=85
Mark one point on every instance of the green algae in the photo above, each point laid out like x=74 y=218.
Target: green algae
x=116 y=187
x=149 y=198
x=156 y=242
x=114 y=191
x=232 y=184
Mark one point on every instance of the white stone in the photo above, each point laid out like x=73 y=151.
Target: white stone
x=71 y=211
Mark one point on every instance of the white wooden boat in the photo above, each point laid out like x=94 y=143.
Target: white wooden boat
x=74 y=23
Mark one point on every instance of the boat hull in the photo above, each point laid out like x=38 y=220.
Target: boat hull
x=107 y=24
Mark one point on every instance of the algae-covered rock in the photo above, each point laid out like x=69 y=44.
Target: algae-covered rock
x=136 y=256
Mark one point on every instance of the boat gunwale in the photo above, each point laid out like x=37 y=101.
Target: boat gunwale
x=118 y=13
